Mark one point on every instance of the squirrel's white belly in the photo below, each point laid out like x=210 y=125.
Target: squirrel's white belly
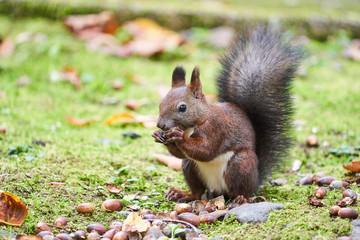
x=212 y=172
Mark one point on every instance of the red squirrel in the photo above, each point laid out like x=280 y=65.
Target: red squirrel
x=230 y=147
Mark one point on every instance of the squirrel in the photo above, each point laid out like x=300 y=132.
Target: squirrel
x=231 y=146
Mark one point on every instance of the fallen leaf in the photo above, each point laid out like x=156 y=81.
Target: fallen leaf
x=102 y=22
x=78 y=122
x=150 y=37
x=12 y=211
x=6 y=47
x=353 y=166
x=113 y=189
x=57 y=183
x=133 y=223
x=315 y=202
x=170 y=161
x=120 y=118
x=71 y=75
x=28 y=237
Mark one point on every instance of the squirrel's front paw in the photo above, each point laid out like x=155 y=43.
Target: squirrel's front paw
x=159 y=136
x=177 y=195
x=174 y=135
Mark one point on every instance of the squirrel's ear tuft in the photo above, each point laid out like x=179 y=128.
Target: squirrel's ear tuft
x=178 y=77
x=195 y=84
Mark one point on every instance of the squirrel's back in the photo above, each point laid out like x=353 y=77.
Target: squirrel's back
x=256 y=75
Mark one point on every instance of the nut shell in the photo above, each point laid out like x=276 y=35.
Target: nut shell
x=146 y=211
x=182 y=208
x=94 y=236
x=64 y=236
x=325 y=180
x=110 y=233
x=350 y=193
x=60 y=222
x=190 y=218
x=320 y=192
x=174 y=215
x=79 y=235
x=207 y=218
x=116 y=225
x=85 y=208
x=312 y=141
x=41 y=226
x=334 y=210
x=348 y=213
x=112 y=205
x=44 y=233
x=122 y=235
x=97 y=227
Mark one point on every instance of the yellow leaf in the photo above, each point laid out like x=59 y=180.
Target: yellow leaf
x=120 y=118
x=133 y=223
x=12 y=210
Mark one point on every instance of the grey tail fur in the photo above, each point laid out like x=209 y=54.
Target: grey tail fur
x=256 y=75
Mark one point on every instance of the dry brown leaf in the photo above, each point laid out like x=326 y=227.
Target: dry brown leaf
x=71 y=75
x=133 y=207
x=133 y=223
x=353 y=166
x=12 y=210
x=6 y=47
x=78 y=122
x=150 y=37
x=170 y=161
x=113 y=189
x=28 y=237
x=102 y=22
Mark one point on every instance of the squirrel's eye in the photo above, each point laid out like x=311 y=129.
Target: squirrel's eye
x=182 y=108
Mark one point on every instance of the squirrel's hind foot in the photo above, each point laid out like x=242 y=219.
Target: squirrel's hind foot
x=177 y=195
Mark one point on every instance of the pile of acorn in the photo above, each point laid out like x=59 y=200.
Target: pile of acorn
x=341 y=208
x=187 y=216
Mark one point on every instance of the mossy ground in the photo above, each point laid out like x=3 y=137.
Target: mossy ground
x=326 y=98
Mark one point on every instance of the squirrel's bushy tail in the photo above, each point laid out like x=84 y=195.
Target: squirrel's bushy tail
x=256 y=75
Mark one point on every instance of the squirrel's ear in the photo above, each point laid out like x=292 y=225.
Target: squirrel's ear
x=195 y=84
x=178 y=77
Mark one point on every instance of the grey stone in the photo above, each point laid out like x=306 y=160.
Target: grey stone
x=125 y=213
x=135 y=236
x=280 y=182
x=219 y=214
x=255 y=212
x=153 y=233
x=356 y=229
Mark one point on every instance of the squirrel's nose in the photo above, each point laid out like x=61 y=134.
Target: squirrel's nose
x=160 y=125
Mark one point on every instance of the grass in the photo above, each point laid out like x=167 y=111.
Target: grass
x=326 y=99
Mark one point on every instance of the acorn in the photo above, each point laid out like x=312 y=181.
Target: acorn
x=150 y=216
x=345 y=184
x=307 y=180
x=97 y=227
x=85 y=208
x=348 y=213
x=182 y=208
x=210 y=208
x=44 y=233
x=320 y=192
x=112 y=205
x=190 y=218
x=207 y=218
x=146 y=211
x=174 y=215
x=60 y=222
x=312 y=141
x=116 y=225
x=325 y=180
x=132 y=104
x=233 y=205
x=110 y=234
x=79 y=235
x=64 y=236
x=93 y=236
x=350 y=193
x=334 y=210
x=41 y=226
x=122 y=235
